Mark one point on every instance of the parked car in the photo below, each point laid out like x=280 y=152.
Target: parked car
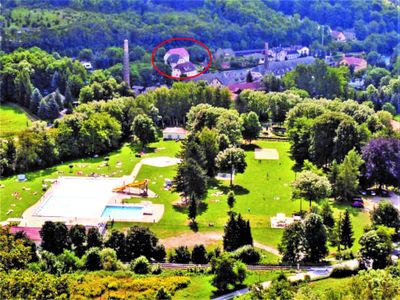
x=362 y=192
x=358 y=199
x=385 y=193
x=358 y=204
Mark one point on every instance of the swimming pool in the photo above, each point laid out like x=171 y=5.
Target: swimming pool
x=120 y=212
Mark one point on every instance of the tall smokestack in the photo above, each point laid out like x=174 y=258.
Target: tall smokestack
x=266 y=50
x=126 y=63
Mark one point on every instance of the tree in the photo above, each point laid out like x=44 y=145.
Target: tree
x=237 y=233
x=199 y=254
x=382 y=161
x=385 y=214
x=59 y=99
x=327 y=215
x=231 y=199
x=69 y=99
x=346 y=231
x=208 y=141
x=249 y=77
x=181 y=255
x=347 y=180
x=311 y=187
x=191 y=180
x=35 y=101
x=230 y=124
x=54 y=237
x=140 y=241
x=117 y=242
x=13 y=253
x=227 y=272
x=92 y=259
x=376 y=246
x=144 y=130
x=292 y=243
x=21 y=235
x=251 y=126
x=231 y=160
x=315 y=238
x=140 y=265
x=389 y=107
x=77 y=236
x=94 y=238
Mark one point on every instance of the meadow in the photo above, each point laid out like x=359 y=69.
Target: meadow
x=12 y=120
x=261 y=192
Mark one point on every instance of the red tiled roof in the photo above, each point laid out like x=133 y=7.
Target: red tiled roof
x=31 y=232
x=351 y=60
x=235 y=87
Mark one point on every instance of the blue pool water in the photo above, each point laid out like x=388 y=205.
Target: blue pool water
x=122 y=212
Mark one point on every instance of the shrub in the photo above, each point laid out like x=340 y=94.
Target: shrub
x=156 y=269
x=159 y=253
x=92 y=259
x=341 y=271
x=199 y=255
x=345 y=255
x=181 y=256
x=109 y=259
x=247 y=254
x=140 y=265
x=162 y=294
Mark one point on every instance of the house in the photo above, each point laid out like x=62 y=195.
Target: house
x=138 y=89
x=292 y=54
x=224 y=54
x=278 y=53
x=187 y=69
x=355 y=62
x=87 y=65
x=237 y=88
x=181 y=52
x=302 y=50
x=260 y=58
x=338 y=36
x=280 y=68
x=174 y=133
x=350 y=36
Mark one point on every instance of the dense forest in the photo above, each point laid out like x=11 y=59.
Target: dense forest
x=68 y=26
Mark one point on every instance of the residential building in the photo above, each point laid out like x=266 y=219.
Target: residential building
x=355 y=62
x=185 y=69
x=338 y=36
x=224 y=54
x=174 y=133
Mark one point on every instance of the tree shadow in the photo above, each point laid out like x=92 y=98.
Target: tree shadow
x=249 y=147
x=237 y=189
x=202 y=208
x=194 y=226
x=138 y=148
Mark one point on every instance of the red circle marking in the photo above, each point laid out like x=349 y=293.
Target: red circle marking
x=180 y=39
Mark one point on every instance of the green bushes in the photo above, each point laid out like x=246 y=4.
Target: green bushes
x=341 y=271
x=140 y=265
x=247 y=254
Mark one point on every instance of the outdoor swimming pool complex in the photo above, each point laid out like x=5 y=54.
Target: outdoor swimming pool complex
x=86 y=198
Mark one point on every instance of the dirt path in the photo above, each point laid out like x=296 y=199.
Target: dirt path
x=206 y=238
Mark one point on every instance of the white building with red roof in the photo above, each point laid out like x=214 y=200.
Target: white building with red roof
x=174 y=133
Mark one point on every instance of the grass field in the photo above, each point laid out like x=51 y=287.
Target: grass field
x=12 y=120
x=397 y=118
x=258 y=195
x=200 y=286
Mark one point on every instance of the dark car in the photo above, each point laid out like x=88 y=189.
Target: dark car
x=384 y=193
x=358 y=199
x=358 y=204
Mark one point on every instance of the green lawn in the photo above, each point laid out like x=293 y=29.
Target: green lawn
x=258 y=196
x=12 y=120
x=397 y=118
x=335 y=284
x=200 y=285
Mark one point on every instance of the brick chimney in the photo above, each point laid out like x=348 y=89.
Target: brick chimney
x=266 y=50
x=126 y=70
